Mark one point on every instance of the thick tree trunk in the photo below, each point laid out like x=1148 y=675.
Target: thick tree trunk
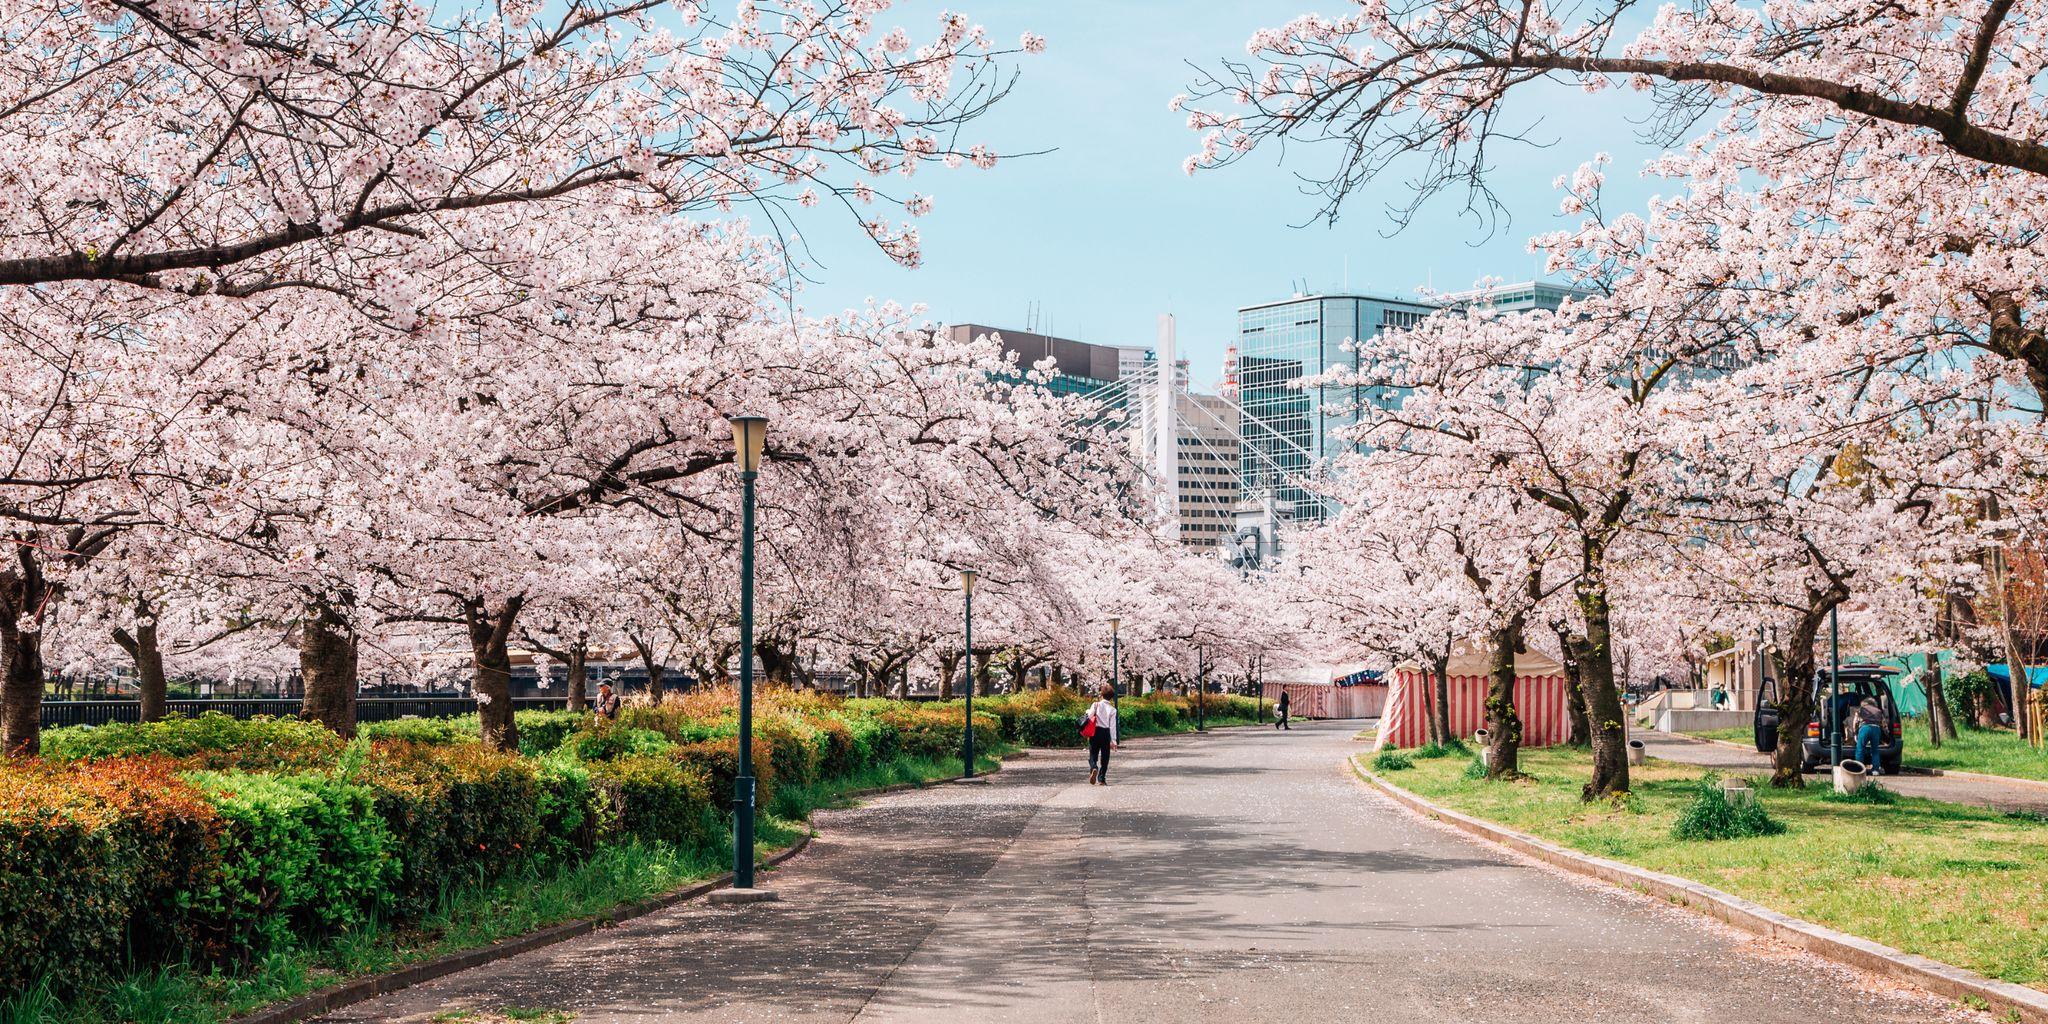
x=1580 y=726
x=578 y=662
x=1442 y=683
x=21 y=689
x=490 y=632
x=1940 y=725
x=328 y=660
x=984 y=683
x=143 y=649
x=1503 y=722
x=1607 y=729
x=1795 y=691
x=656 y=672
x=949 y=662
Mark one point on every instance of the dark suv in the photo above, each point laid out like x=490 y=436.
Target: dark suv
x=1858 y=682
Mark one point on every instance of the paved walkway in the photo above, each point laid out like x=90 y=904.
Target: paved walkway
x=2002 y=796
x=1238 y=877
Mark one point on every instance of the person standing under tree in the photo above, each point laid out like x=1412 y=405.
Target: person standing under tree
x=607 y=701
x=1280 y=713
x=1101 y=714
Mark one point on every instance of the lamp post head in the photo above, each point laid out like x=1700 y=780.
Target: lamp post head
x=967 y=578
x=1114 y=622
x=749 y=438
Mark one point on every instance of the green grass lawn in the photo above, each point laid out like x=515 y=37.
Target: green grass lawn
x=470 y=916
x=1960 y=884
x=1985 y=751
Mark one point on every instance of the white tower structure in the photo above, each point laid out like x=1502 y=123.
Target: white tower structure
x=1165 y=437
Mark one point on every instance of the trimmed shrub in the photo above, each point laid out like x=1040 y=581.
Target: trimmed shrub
x=543 y=731
x=796 y=748
x=1710 y=816
x=212 y=741
x=658 y=799
x=454 y=812
x=304 y=854
x=605 y=742
x=435 y=731
x=92 y=861
x=718 y=761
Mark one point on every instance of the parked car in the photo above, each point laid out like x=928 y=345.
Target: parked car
x=1858 y=682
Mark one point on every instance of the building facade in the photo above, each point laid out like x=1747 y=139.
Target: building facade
x=1288 y=428
x=1210 y=461
x=1084 y=368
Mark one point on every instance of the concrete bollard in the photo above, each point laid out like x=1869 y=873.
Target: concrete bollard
x=1737 y=792
x=1637 y=752
x=1850 y=776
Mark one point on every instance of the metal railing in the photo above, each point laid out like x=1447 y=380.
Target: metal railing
x=59 y=713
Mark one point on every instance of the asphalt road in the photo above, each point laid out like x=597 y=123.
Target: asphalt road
x=1241 y=876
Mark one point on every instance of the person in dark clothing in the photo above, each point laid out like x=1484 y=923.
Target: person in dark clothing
x=1870 y=723
x=1280 y=713
x=1103 y=740
x=607 y=701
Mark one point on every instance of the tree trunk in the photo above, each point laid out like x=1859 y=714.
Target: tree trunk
x=578 y=663
x=656 y=671
x=328 y=657
x=21 y=689
x=1940 y=726
x=1443 y=695
x=949 y=662
x=1433 y=729
x=1605 y=723
x=1795 y=690
x=1503 y=722
x=490 y=630
x=984 y=683
x=1574 y=691
x=148 y=656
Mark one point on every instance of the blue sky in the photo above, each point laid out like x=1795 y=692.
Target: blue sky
x=1106 y=232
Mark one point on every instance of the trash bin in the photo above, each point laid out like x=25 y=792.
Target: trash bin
x=1636 y=751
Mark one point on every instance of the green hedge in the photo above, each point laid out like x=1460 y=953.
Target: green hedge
x=211 y=740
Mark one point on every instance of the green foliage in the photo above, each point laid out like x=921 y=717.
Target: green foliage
x=212 y=740
x=1964 y=693
x=605 y=741
x=1871 y=793
x=297 y=854
x=1475 y=769
x=1710 y=815
x=1431 y=751
x=543 y=731
x=436 y=731
x=1392 y=761
x=659 y=799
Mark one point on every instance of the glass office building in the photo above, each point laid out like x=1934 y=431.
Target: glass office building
x=1289 y=429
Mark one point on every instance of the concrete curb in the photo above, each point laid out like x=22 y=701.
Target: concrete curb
x=1910 y=769
x=2015 y=1001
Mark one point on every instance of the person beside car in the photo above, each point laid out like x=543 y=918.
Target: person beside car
x=1870 y=723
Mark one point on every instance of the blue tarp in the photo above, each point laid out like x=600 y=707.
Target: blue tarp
x=2037 y=675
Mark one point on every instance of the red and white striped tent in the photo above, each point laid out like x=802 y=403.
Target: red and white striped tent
x=1539 y=698
x=1324 y=700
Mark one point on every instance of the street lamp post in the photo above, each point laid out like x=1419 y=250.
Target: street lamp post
x=1116 y=661
x=1201 y=693
x=1834 y=689
x=749 y=436
x=967 y=748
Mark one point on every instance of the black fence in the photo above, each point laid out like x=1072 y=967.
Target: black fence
x=58 y=713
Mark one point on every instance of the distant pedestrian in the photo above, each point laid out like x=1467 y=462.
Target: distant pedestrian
x=607 y=701
x=1717 y=696
x=1870 y=723
x=1280 y=713
x=1102 y=737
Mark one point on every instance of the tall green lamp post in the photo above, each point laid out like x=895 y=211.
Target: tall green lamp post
x=967 y=577
x=749 y=437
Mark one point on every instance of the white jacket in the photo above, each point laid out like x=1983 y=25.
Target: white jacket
x=1104 y=714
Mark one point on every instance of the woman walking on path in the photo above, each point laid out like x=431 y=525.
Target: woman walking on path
x=1103 y=740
